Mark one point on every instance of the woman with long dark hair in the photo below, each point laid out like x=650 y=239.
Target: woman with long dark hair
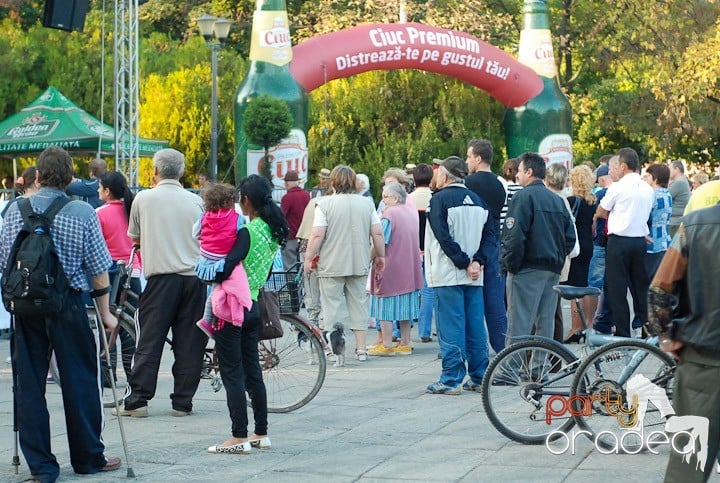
x=114 y=216
x=237 y=347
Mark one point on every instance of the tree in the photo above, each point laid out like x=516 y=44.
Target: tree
x=266 y=122
x=638 y=73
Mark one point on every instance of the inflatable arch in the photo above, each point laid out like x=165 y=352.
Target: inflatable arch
x=414 y=46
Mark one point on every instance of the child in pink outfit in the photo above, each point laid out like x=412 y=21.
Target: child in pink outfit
x=217 y=231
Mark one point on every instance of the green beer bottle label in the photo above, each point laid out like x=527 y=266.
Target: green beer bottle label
x=271 y=37
x=536 y=52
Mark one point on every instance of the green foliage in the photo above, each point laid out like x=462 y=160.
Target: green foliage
x=267 y=120
x=638 y=73
x=378 y=120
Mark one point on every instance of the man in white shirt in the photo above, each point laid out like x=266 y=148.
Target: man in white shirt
x=626 y=205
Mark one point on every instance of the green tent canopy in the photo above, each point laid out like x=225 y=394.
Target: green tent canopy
x=53 y=120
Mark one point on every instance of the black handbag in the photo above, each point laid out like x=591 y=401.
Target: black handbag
x=269 y=306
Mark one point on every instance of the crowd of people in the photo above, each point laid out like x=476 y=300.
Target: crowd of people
x=449 y=242
x=170 y=224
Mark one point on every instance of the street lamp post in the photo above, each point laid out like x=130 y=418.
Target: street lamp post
x=213 y=28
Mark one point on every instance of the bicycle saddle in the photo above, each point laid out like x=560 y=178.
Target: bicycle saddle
x=569 y=292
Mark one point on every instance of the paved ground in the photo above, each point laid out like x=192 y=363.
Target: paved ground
x=371 y=421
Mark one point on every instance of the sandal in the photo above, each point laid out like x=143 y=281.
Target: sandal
x=361 y=355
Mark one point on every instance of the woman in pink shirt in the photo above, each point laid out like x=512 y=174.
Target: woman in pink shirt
x=113 y=216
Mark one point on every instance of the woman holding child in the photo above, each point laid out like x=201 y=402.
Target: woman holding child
x=237 y=346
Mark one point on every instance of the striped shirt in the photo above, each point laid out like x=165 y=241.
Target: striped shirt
x=511 y=188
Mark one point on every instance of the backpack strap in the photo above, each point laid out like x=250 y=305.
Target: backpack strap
x=55 y=208
x=27 y=212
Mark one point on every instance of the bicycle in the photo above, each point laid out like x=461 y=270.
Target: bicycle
x=527 y=377
x=293 y=365
x=603 y=402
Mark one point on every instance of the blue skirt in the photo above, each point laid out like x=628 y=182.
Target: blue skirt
x=398 y=307
x=206 y=269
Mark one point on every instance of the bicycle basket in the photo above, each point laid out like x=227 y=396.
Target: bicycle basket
x=289 y=288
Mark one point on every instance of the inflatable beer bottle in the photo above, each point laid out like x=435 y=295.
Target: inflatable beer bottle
x=544 y=124
x=269 y=73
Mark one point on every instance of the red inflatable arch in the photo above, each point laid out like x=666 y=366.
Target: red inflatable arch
x=414 y=46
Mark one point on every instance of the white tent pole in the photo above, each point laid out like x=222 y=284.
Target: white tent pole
x=15 y=176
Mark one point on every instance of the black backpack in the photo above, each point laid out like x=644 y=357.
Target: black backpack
x=33 y=282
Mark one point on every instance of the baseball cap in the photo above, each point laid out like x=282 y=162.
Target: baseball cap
x=292 y=176
x=603 y=170
x=324 y=173
x=454 y=165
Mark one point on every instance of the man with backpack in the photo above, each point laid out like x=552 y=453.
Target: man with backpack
x=42 y=285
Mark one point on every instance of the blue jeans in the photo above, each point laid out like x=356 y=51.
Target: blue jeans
x=603 y=320
x=596 y=278
x=461 y=332
x=426 y=307
x=494 y=299
x=597 y=267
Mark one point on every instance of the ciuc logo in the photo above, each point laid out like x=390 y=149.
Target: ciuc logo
x=630 y=414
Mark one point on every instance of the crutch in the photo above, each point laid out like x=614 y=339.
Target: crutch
x=101 y=329
x=16 y=454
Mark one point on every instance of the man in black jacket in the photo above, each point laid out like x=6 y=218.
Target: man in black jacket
x=537 y=236
x=687 y=279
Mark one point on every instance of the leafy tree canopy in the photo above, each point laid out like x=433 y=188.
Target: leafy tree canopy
x=638 y=73
x=267 y=120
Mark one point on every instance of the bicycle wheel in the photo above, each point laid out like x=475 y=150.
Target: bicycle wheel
x=518 y=387
x=293 y=366
x=127 y=333
x=128 y=340
x=604 y=389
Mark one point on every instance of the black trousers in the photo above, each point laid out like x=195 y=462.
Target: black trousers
x=625 y=268
x=76 y=351
x=169 y=302
x=237 y=351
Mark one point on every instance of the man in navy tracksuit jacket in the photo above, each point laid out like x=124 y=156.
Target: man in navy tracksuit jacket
x=457 y=245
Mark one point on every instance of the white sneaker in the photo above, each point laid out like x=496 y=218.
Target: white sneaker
x=637 y=333
x=361 y=356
